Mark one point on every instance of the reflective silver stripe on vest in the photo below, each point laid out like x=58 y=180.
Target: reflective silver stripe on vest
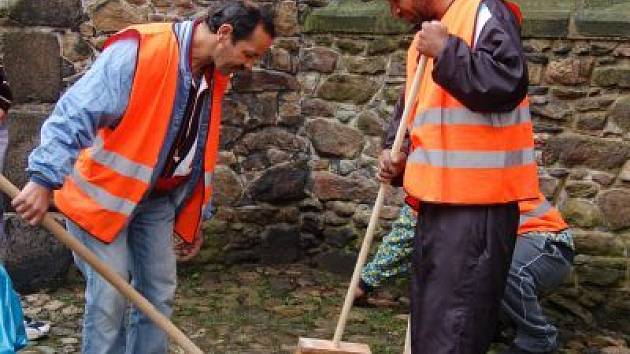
x=207 y=179
x=472 y=159
x=119 y=163
x=462 y=116
x=541 y=210
x=102 y=197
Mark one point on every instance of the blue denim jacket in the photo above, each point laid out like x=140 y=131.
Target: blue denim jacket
x=99 y=99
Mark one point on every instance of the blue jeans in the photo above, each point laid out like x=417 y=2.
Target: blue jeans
x=538 y=267
x=142 y=252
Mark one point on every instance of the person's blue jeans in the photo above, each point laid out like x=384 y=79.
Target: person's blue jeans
x=142 y=252
x=538 y=267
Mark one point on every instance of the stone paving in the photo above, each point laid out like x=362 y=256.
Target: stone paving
x=253 y=309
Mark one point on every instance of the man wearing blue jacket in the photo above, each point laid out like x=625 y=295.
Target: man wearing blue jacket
x=125 y=201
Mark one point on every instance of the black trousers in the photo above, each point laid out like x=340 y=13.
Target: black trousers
x=461 y=260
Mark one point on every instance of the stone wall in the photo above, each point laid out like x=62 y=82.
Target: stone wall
x=302 y=132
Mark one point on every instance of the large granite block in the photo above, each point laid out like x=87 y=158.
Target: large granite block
x=354 y=16
x=32 y=62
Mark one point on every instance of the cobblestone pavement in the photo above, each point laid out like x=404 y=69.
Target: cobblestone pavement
x=252 y=309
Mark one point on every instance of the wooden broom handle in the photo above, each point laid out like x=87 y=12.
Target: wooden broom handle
x=407 y=349
x=106 y=272
x=378 y=205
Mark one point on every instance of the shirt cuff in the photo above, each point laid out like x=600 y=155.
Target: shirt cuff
x=37 y=178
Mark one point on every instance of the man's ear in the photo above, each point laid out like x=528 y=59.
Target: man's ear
x=225 y=31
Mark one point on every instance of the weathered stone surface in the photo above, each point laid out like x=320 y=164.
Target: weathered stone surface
x=319 y=59
x=330 y=218
x=392 y=93
x=569 y=71
x=114 y=15
x=581 y=212
x=397 y=65
x=24 y=124
x=624 y=175
x=314 y=107
x=599 y=271
x=33 y=65
x=555 y=110
x=365 y=65
x=290 y=44
x=308 y=81
x=262 y=80
x=612 y=76
x=602 y=48
x=279 y=59
x=595 y=243
x=276 y=156
x=281 y=183
x=270 y=138
x=564 y=92
x=346 y=112
x=595 y=103
x=545 y=18
x=362 y=216
x=603 y=178
x=234 y=111
x=348 y=88
x=342 y=208
x=280 y=244
x=534 y=72
x=337 y=261
x=229 y=136
x=265 y=215
x=610 y=20
x=615 y=204
x=255 y=162
x=286 y=19
x=290 y=110
x=548 y=186
x=262 y=109
x=370 y=123
x=354 y=16
x=537 y=45
x=622 y=50
x=339 y=236
x=227 y=189
x=582 y=189
x=383 y=46
x=55 y=13
x=32 y=256
x=312 y=223
x=75 y=48
x=350 y=46
x=574 y=150
x=329 y=186
x=331 y=138
x=591 y=121
x=620 y=112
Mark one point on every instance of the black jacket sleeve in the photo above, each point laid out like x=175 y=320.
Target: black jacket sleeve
x=6 y=97
x=392 y=129
x=492 y=77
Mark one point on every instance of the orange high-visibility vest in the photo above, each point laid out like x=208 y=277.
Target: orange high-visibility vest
x=112 y=176
x=538 y=215
x=464 y=157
